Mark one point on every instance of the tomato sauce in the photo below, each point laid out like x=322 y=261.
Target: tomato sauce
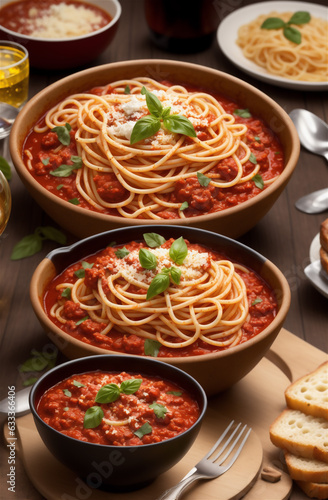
x=260 y=139
x=261 y=300
x=24 y=17
x=157 y=411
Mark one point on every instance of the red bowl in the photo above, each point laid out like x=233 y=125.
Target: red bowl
x=69 y=52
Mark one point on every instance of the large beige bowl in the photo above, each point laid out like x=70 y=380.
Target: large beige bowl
x=232 y=222
x=215 y=371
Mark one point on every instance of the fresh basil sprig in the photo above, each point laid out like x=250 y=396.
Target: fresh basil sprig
x=80 y=273
x=32 y=243
x=258 y=180
x=147 y=259
x=149 y=125
x=146 y=428
x=161 y=281
x=178 y=251
x=152 y=347
x=67 y=170
x=93 y=417
x=154 y=240
x=159 y=409
x=111 y=392
x=63 y=133
x=292 y=34
x=121 y=253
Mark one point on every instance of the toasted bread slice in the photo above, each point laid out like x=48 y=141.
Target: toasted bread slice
x=314 y=490
x=324 y=259
x=300 y=434
x=324 y=235
x=309 y=394
x=306 y=469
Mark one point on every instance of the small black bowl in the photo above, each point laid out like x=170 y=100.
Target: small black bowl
x=117 y=468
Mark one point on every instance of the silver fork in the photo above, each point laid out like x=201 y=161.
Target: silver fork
x=210 y=466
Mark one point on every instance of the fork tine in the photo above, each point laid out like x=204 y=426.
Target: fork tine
x=223 y=435
x=240 y=447
x=226 y=445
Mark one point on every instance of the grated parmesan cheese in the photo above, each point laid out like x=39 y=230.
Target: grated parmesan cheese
x=192 y=267
x=62 y=21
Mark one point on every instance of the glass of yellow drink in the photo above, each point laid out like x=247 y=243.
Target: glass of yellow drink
x=14 y=73
x=5 y=202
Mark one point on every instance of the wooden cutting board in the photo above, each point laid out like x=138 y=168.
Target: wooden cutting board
x=255 y=400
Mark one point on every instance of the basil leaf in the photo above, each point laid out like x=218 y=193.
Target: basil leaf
x=257 y=138
x=179 y=124
x=78 y=384
x=67 y=393
x=35 y=364
x=292 y=34
x=74 y=201
x=243 y=113
x=178 y=251
x=175 y=275
x=66 y=294
x=273 y=23
x=59 y=187
x=256 y=301
x=300 y=17
x=93 y=417
x=82 y=320
x=127 y=90
x=166 y=112
x=154 y=105
x=252 y=158
x=121 y=253
x=27 y=246
x=258 y=181
x=184 y=205
x=66 y=170
x=63 y=133
x=154 y=240
x=159 y=410
x=45 y=161
x=144 y=429
x=30 y=381
x=152 y=347
x=158 y=285
x=53 y=234
x=80 y=273
x=108 y=393
x=144 y=128
x=5 y=168
x=175 y=393
x=203 y=179
x=130 y=386
x=147 y=259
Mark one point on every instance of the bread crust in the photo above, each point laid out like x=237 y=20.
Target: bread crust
x=309 y=393
x=303 y=469
x=324 y=259
x=314 y=490
x=324 y=235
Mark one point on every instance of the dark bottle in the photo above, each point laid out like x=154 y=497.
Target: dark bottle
x=182 y=26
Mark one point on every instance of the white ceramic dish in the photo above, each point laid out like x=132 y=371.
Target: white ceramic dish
x=314 y=272
x=227 y=36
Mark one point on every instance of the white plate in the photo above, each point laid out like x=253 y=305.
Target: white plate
x=314 y=272
x=228 y=32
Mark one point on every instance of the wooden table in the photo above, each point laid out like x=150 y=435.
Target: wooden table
x=284 y=235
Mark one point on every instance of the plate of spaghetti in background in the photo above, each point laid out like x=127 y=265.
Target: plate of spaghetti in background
x=289 y=50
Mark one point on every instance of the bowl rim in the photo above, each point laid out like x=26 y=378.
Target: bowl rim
x=182 y=360
x=91 y=359
x=106 y=218
x=115 y=18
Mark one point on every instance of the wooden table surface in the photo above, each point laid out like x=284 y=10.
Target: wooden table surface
x=284 y=235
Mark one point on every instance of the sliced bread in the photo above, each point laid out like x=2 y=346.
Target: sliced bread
x=306 y=469
x=314 y=490
x=300 y=434
x=309 y=394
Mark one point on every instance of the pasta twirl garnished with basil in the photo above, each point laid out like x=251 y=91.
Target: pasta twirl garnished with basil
x=170 y=293
x=148 y=150
x=290 y=45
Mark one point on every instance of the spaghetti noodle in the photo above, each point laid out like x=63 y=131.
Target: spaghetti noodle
x=208 y=303
x=270 y=49
x=139 y=180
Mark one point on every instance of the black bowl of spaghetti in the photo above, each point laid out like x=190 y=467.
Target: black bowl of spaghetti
x=192 y=298
x=118 y=145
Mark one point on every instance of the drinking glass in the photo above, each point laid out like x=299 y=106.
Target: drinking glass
x=5 y=202
x=14 y=73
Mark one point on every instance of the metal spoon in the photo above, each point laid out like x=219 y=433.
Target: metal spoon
x=22 y=405
x=312 y=131
x=8 y=115
x=313 y=203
